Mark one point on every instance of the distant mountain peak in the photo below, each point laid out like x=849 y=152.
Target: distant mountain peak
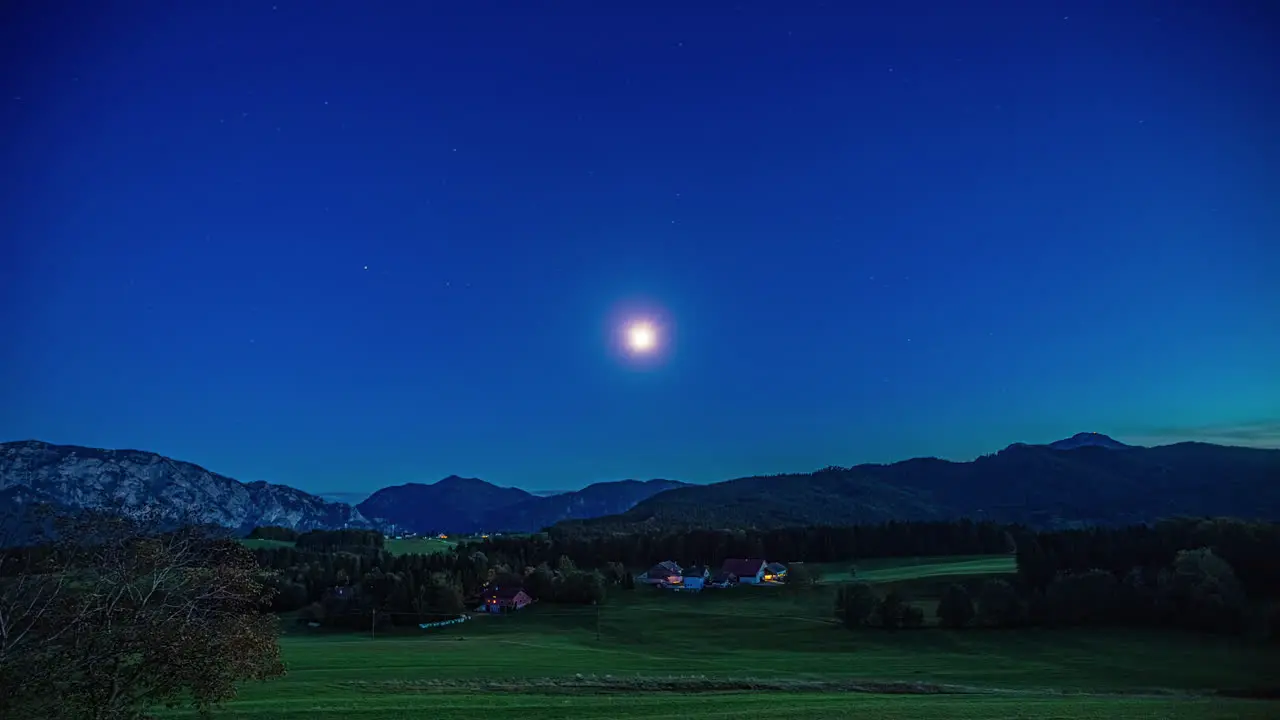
x=1088 y=439
x=461 y=481
x=460 y=505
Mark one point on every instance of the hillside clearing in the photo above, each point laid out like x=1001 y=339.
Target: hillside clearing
x=401 y=546
x=419 y=545
x=884 y=570
x=255 y=543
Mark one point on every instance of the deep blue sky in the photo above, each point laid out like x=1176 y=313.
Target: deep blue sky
x=870 y=230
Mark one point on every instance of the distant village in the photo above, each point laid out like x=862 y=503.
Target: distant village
x=439 y=536
x=666 y=575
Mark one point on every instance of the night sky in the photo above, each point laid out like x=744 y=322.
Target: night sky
x=342 y=245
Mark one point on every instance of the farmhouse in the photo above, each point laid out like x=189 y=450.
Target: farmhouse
x=722 y=579
x=695 y=577
x=775 y=572
x=504 y=599
x=665 y=572
x=749 y=571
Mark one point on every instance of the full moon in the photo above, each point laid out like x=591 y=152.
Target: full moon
x=641 y=337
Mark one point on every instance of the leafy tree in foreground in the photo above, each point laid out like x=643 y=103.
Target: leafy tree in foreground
x=115 y=616
x=955 y=609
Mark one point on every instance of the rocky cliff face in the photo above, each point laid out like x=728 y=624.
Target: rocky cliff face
x=69 y=476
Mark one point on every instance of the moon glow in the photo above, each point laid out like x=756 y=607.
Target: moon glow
x=641 y=337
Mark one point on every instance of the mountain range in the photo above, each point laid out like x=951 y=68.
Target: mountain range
x=69 y=476
x=469 y=505
x=1086 y=479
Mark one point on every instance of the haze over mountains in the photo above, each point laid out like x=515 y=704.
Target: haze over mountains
x=1086 y=479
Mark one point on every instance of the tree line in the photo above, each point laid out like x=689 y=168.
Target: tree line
x=323 y=540
x=1212 y=575
x=818 y=544
x=1157 y=574
x=362 y=586
x=345 y=579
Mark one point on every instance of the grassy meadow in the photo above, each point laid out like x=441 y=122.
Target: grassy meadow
x=758 y=652
x=402 y=546
x=888 y=570
x=255 y=543
x=419 y=545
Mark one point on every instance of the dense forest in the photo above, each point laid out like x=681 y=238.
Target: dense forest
x=1212 y=575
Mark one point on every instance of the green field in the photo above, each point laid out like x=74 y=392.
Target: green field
x=419 y=546
x=755 y=652
x=256 y=543
x=887 y=570
x=404 y=546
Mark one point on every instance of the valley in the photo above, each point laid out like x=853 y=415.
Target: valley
x=756 y=652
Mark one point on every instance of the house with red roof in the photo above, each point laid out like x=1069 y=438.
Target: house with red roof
x=505 y=598
x=664 y=573
x=749 y=571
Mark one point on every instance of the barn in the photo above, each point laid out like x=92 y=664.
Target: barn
x=750 y=571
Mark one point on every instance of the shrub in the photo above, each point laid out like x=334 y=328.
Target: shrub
x=999 y=605
x=854 y=604
x=955 y=609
